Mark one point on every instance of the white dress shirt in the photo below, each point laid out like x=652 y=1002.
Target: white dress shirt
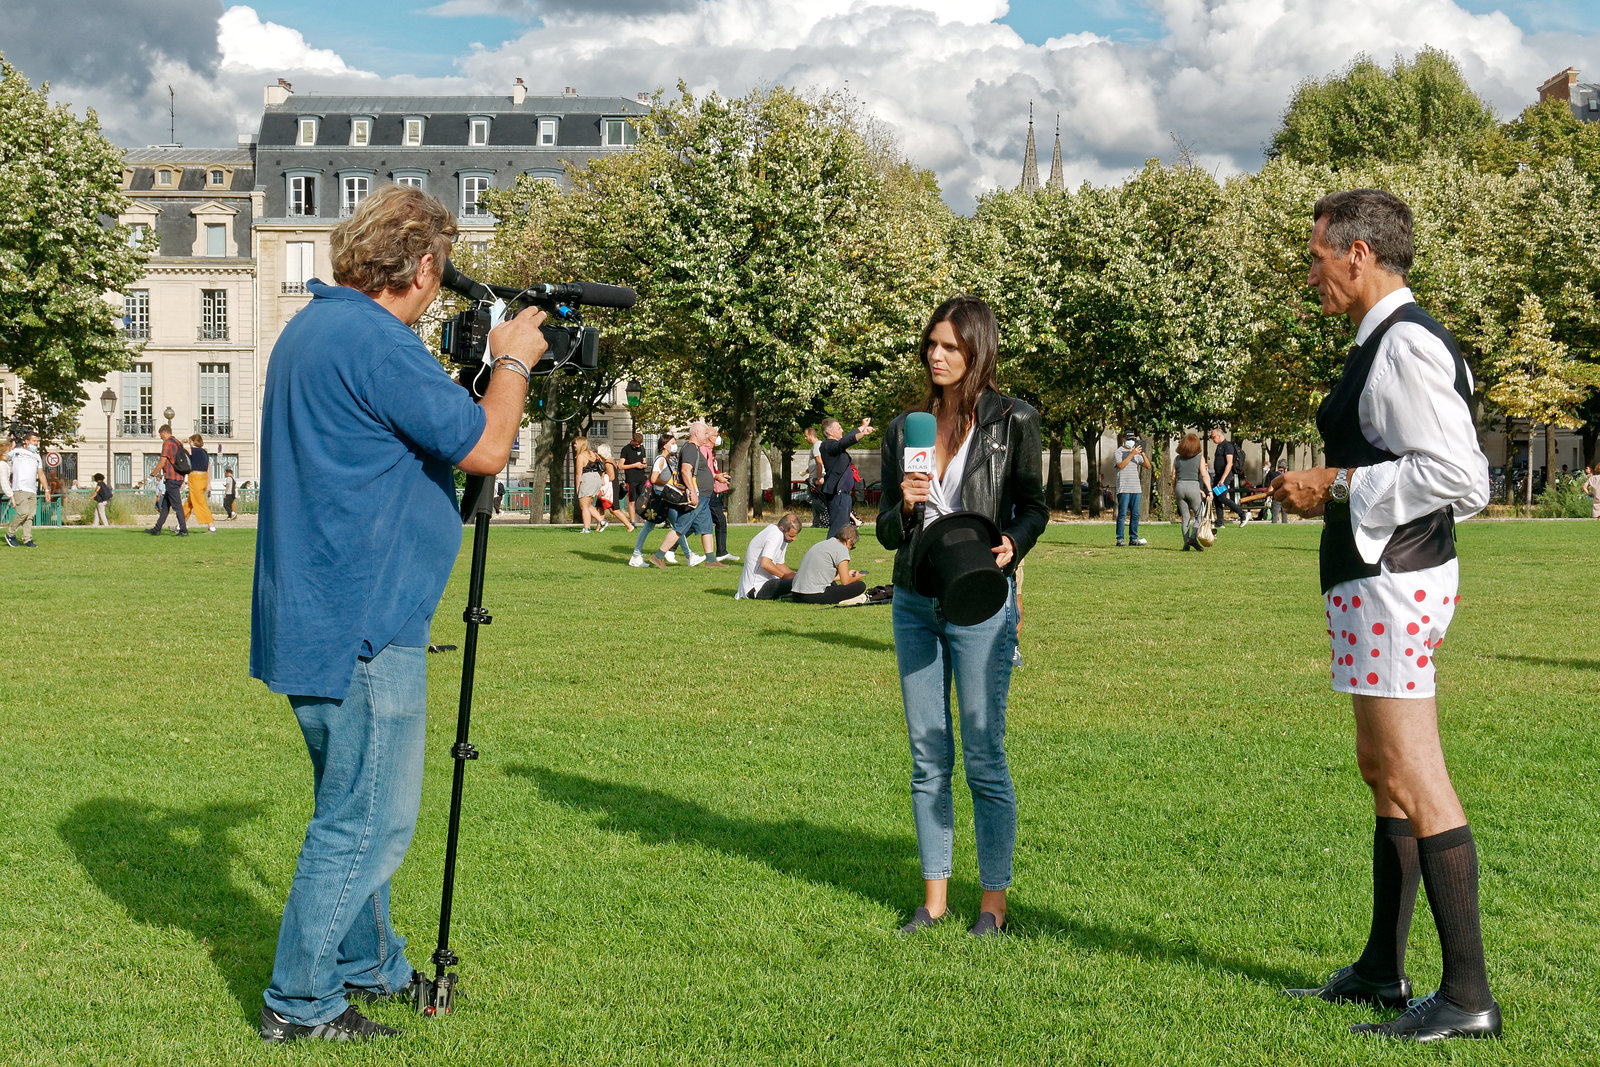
x=1410 y=407
x=944 y=494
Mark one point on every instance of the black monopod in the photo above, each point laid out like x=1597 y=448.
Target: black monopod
x=572 y=348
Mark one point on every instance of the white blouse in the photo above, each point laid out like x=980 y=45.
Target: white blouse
x=944 y=494
x=1410 y=407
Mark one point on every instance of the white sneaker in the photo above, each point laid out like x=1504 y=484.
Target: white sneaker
x=672 y=556
x=603 y=525
x=1138 y=541
x=694 y=560
x=636 y=560
x=726 y=557
x=212 y=529
x=1245 y=521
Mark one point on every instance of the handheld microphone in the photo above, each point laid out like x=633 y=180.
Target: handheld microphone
x=921 y=431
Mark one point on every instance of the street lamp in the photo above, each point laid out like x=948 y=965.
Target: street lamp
x=634 y=391
x=108 y=404
x=167 y=414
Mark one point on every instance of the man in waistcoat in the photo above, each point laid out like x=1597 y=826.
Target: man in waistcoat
x=1398 y=429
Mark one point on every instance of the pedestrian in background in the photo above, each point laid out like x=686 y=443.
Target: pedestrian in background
x=230 y=492
x=27 y=472
x=101 y=497
x=199 y=502
x=636 y=473
x=814 y=476
x=1591 y=489
x=591 y=470
x=719 y=497
x=607 y=504
x=1226 y=460
x=1130 y=490
x=173 y=466
x=1191 y=487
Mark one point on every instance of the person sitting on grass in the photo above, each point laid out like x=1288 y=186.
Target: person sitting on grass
x=825 y=576
x=766 y=576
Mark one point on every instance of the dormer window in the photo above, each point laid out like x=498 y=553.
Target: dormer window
x=217 y=178
x=616 y=133
x=163 y=177
x=547 y=131
x=478 y=132
x=308 y=132
x=413 y=132
x=360 y=132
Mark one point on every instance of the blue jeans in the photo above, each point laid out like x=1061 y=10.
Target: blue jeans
x=1128 y=508
x=696 y=520
x=366 y=765
x=931 y=652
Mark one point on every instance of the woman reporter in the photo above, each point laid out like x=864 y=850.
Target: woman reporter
x=987 y=461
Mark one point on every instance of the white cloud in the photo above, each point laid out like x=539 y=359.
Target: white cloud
x=248 y=44
x=950 y=81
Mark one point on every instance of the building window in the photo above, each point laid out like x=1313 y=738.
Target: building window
x=138 y=234
x=354 y=190
x=547 y=131
x=599 y=428
x=360 y=132
x=300 y=266
x=479 y=134
x=216 y=239
x=122 y=470
x=308 y=132
x=215 y=404
x=409 y=179
x=618 y=132
x=302 y=194
x=413 y=136
x=163 y=177
x=472 y=190
x=218 y=178
x=136 y=314
x=138 y=402
x=213 y=315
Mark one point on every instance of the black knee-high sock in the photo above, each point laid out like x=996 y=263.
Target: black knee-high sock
x=1449 y=864
x=1395 y=874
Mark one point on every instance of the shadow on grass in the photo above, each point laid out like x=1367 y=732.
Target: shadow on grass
x=1573 y=662
x=619 y=556
x=174 y=869
x=829 y=637
x=875 y=867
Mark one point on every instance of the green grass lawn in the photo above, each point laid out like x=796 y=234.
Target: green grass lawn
x=689 y=838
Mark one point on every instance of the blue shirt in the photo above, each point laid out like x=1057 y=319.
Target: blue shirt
x=358 y=527
x=199 y=459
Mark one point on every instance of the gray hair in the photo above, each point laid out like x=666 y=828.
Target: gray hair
x=604 y=450
x=1378 y=218
x=698 y=426
x=790 y=521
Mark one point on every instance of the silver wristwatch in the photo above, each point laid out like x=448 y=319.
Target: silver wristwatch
x=1339 y=491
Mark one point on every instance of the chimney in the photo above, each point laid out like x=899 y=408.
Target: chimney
x=278 y=94
x=1560 y=86
x=519 y=93
x=643 y=98
x=569 y=91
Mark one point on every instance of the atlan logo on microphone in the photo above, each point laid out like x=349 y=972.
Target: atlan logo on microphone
x=918 y=460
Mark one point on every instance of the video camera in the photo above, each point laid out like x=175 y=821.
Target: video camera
x=571 y=346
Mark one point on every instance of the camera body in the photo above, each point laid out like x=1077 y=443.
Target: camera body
x=571 y=346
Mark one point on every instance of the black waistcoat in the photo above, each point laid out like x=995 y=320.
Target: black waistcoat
x=1417 y=545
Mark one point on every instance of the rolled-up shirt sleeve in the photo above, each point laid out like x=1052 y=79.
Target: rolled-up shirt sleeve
x=1410 y=407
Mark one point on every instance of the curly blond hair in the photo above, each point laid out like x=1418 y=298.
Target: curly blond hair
x=379 y=248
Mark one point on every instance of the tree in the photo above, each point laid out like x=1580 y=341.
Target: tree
x=1542 y=135
x=1536 y=380
x=1366 y=114
x=59 y=254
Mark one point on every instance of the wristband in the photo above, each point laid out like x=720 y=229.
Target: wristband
x=515 y=364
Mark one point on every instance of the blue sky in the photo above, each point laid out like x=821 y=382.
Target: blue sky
x=408 y=40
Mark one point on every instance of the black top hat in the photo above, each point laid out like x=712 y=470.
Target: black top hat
x=951 y=562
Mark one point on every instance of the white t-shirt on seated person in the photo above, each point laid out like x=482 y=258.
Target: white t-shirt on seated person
x=770 y=543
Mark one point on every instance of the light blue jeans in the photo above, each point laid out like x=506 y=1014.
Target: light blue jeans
x=931 y=652
x=1128 y=505
x=366 y=765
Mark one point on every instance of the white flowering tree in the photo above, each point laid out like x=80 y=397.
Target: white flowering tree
x=61 y=251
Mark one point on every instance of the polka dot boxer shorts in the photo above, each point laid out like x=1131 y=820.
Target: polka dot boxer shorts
x=1385 y=630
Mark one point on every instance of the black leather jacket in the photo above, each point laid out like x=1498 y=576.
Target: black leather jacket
x=1002 y=480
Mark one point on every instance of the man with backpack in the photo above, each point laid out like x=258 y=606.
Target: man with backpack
x=173 y=469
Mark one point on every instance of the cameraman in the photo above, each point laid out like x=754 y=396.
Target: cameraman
x=1130 y=490
x=346 y=586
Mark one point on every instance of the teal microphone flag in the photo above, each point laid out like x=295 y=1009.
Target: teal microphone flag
x=921 y=430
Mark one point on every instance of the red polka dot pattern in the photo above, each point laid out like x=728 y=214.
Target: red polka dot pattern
x=1380 y=623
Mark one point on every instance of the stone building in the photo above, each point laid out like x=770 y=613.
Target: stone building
x=1582 y=97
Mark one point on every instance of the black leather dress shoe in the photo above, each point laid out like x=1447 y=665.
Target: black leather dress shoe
x=1433 y=1018
x=1345 y=986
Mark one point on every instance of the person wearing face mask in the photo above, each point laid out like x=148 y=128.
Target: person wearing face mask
x=719 y=496
x=986 y=463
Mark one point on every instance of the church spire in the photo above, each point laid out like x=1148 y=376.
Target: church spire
x=1030 y=159
x=1057 y=182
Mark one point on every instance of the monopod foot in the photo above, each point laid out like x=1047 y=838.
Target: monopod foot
x=438 y=997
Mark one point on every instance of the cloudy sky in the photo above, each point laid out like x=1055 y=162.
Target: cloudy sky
x=953 y=78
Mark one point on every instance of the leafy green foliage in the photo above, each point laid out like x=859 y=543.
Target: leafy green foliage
x=61 y=251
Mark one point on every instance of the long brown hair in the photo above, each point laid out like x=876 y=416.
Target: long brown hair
x=979 y=337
